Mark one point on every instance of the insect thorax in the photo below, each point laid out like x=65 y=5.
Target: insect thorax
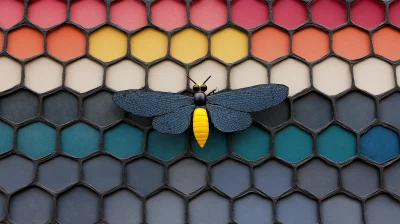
x=200 y=99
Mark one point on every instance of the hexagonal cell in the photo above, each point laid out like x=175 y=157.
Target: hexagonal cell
x=347 y=113
x=367 y=13
x=102 y=172
x=84 y=75
x=217 y=71
x=78 y=205
x=273 y=178
x=187 y=175
x=88 y=13
x=167 y=76
x=248 y=73
x=66 y=42
x=101 y=109
x=360 y=178
x=216 y=10
x=25 y=42
x=10 y=73
x=382 y=209
x=388 y=108
x=332 y=76
x=7 y=136
x=160 y=207
x=385 y=43
x=394 y=17
x=291 y=73
x=252 y=143
x=47 y=13
x=166 y=146
x=341 y=209
x=298 y=148
x=19 y=106
x=216 y=146
x=337 y=144
x=230 y=177
x=17 y=169
x=380 y=144
x=270 y=43
x=11 y=12
x=108 y=44
x=138 y=173
x=229 y=45
x=313 y=110
x=123 y=140
x=274 y=116
x=43 y=75
x=61 y=108
x=249 y=13
x=169 y=14
x=297 y=207
x=209 y=207
x=311 y=43
x=253 y=209
x=351 y=43
x=37 y=140
x=125 y=75
x=149 y=44
x=329 y=13
x=58 y=173
x=122 y=207
x=391 y=177
x=130 y=15
x=80 y=140
x=31 y=206
x=189 y=45
x=318 y=178
x=296 y=9
x=374 y=75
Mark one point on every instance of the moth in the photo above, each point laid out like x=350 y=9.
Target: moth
x=229 y=110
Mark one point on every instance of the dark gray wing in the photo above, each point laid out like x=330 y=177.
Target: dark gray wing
x=175 y=122
x=150 y=103
x=228 y=120
x=251 y=99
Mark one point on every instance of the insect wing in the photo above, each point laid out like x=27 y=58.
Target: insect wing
x=251 y=99
x=228 y=120
x=150 y=103
x=175 y=122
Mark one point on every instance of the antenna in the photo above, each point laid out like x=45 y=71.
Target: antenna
x=207 y=79
x=191 y=79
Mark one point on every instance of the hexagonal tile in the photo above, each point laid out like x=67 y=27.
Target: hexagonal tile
x=160 y=207
x=296 y=9
x=351 y=43
x=274 y=116
x=388 y=108
x=229 y=45
x=43 y=75
x=253 y=209
x=380 y=144
x=391 y=174
x=149 y=44
x=25 y=42
x=101 y=109
x=189 y=45
x=318 y=178
x=19 y=106
x=243 y=10
x=248 y=73
x=230 y=177
x=133 y=75
x=385 y=43
x=360 y=178
x=347 y=113
x=310 y=43
x=298 y=148
x=313 y=110
x=297 y=207
x=187 y=175
x=332 y=76
x=10 y=73
x=80 y=140
x=291 y=73
x=166 y=146
x=341 y=209
x=218 y=72
x=58 y=173
x=61 y=108
x=7 y=136
x=217 y=11
x=215 y=206
x=88 y=13
x=129 y=15
x=66 y=42
x=102 y=172
x=169 y=14
x=252 y=143
x=273 y=178
x=216 y=146
x=47 y=13
x=123 y=140
x=17 y=169
x=270 y=43
x=329 y=13
x=394 y=17
x=121 y=206
x=367 y=13
x=382 y=209
x=84 y=75
x=138 y=171
x=108 y=44
x=167 y=76
x=11 y=15
x=374 y=75
x=37 y=140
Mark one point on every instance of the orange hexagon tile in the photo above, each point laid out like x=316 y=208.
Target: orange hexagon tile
x=311 y=43
x=351 y=43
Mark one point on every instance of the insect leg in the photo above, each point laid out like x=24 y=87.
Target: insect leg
x=212 y=92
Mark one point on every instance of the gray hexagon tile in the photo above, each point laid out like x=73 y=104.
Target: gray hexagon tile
x=19 y=106
x=15 y=168
x=165 y=207
x=297 y=209
x=187 y=175
x=253 y=209
x=123 y=207
x=61 y=108
x=58 y=173
x=382 y=209
x=341 y=209
x=101 y=109
x=360 y=178
x=102 y=172
x=391 y=177
x=138 y=171
x=273 y=178
x=209 y=207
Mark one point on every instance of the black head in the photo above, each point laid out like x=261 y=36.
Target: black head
x=199 y=87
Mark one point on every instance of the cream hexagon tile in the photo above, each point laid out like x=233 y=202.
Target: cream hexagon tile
x=43 y=74
x=248 y=73
x=167 y=76
x=84 y=75
x=218 y=73
x=10 y=73
x=125 y=75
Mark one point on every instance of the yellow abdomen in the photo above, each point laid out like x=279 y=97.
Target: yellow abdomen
x=200 y=126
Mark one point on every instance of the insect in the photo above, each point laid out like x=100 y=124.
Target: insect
x=228 y=110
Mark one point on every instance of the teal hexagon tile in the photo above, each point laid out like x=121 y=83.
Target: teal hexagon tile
x=380 y=144
x=80 y=140
x=123 y=140
x=7 y=137
x=37 y=140
x=252 y=143
x=166 y=146
x=215 y=147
